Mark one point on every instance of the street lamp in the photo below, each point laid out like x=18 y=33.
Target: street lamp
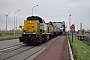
x=6 y=18
x=33 y=8
x=14 y=20
x=69 y=21
x=16 y=24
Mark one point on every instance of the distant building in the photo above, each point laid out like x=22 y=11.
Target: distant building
x=81 y=34
x=81 y=26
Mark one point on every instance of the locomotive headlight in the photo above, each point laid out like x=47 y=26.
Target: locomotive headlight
x=33 y=33
x=24 y=33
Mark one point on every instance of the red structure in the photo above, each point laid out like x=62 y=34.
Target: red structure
x=56 y=51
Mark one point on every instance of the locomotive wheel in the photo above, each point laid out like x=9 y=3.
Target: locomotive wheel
x=43 y=40
x=28 y=44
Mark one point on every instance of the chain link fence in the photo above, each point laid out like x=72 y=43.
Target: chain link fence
x=87 y=39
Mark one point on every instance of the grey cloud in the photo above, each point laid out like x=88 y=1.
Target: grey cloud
x=53 y=10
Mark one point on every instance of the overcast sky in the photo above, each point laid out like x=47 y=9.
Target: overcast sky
x=49 y=10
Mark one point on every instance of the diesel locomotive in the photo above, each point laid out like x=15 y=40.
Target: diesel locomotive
x=35 y=30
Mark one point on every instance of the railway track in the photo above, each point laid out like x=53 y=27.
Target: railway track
x=22 y=52
x=13 y=52
x=11 y=48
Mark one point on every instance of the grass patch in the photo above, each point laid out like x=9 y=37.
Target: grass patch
x=86 y=43
x=8 y=37
x=3 y=35
x=80 y=50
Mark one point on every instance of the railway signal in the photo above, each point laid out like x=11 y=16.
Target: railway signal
x=72 y=30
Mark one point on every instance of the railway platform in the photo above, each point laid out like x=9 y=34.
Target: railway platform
x=56 y=51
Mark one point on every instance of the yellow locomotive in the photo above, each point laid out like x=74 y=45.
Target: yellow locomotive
x=35 y=30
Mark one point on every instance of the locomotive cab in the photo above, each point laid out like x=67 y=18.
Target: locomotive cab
x=31 y=32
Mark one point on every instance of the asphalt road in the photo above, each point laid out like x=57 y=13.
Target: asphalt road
x=8 y=43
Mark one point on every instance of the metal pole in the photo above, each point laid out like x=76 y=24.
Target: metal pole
x=6 y=22
x=32 y=11
x=69 y=22
x=16 y=24
x=33 y=8
x=14 y=21
x=72 y=37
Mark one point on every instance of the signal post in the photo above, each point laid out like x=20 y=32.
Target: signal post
x=72 y=30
